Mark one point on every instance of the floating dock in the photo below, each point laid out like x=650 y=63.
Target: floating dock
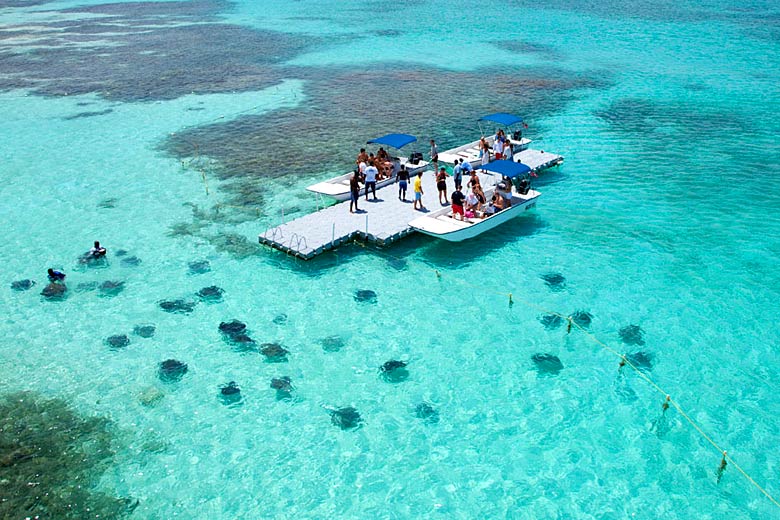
x=381 y=221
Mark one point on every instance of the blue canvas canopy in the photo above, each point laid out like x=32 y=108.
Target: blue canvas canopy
x=502 y=118
x=509 y=169
x=394 y=140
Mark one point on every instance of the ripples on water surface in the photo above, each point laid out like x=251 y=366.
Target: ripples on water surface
x=175 y=132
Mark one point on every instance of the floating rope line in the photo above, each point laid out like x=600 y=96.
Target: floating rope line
x=726 y=458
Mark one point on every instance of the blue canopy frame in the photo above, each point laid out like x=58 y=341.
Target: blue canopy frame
x=509 y=169
x=394 y=140
x=502 y=118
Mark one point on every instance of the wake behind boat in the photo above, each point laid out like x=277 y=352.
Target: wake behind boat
x=515 y=187
x=338 y=187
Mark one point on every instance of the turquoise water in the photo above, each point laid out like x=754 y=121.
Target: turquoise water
x=179 y=131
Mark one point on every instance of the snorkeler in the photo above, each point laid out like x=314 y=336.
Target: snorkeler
x=56 y=276
x=97 y=251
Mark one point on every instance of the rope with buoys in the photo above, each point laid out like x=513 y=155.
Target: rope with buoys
x=726 y=459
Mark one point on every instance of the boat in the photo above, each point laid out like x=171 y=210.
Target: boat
x=338 y=187
x=470 y=152
x=443 y=224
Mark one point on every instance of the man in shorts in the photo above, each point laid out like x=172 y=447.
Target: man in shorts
x=457 y=203
x=418 y=192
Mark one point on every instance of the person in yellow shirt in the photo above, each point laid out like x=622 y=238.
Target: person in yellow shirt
x=418 y=192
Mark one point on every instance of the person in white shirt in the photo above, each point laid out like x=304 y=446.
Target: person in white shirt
x=371 y=173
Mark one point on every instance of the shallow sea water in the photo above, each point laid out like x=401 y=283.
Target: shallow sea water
x=665 y=215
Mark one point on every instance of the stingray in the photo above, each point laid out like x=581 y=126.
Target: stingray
x=426 y=412
x=582 y=318
x=120 y=252
x=346 y=418
x=280 y=319
x=22 y=285
x=111 y=288
x=54 y=291
x=274 y=352
x=232 y=328
x=86 y=286
x=117 y=342
x=144 y=331
x=283 y=386
x=641 y=360
x=242 y=343
x=365 y=296
x=171 y=371
x=107 y=203
x=551 y=321
x=211 y=294
x=199 y=267
x=394 y=371
x=632 y=335
x=131 y=261
x=547 y=364
x=91 y=260
x=177 y=306
x=332 y=343
x=230 y=394
x=555 y=281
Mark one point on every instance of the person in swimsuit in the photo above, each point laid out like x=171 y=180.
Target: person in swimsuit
x=403 y=182
x=473 y=181
x=354 y=191
x=441 y=185
x=362 y=157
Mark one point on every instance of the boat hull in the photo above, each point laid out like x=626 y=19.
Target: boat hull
x=338 y=187
x=442 y=225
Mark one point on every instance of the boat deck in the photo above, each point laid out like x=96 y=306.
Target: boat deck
x=382 y=221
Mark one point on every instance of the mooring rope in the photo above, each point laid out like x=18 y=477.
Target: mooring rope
x=511 y=298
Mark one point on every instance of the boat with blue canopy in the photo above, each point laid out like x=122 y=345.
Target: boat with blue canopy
x=508 y=196
x=338 y=187
x=471 y=153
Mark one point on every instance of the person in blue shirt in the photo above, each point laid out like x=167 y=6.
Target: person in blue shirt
x=466 y=167
x=457 y=174
x=56 y=276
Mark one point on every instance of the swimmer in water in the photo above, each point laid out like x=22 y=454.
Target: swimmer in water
x=56 y=276
x=97 y=251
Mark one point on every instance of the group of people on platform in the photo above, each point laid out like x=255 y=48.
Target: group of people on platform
x=475 y=203
x=371 y=169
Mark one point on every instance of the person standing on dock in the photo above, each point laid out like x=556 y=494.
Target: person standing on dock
x=457 y=174
x=441 y=185
x=403 y=182
x=371 y=173
x=418 y=192
x=434 y=155
x=354 y=191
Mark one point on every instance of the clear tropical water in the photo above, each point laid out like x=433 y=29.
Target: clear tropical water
x=178 y=131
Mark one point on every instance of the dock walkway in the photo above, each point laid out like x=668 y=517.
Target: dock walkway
x=382 y=221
